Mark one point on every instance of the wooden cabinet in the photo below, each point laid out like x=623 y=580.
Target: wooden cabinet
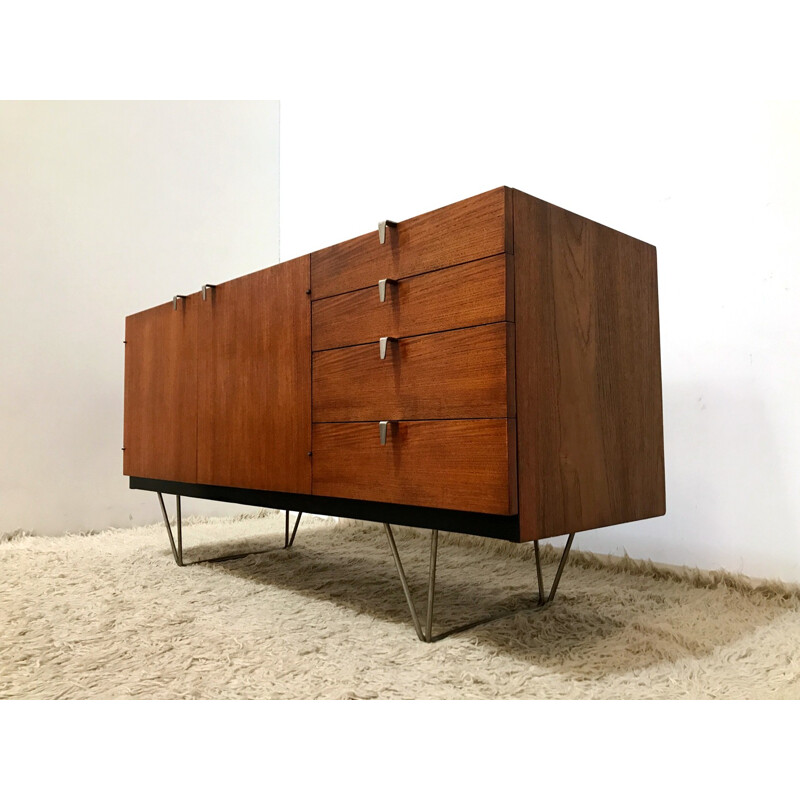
x=492 y=365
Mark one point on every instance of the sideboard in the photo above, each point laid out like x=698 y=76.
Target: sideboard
x=490 y=368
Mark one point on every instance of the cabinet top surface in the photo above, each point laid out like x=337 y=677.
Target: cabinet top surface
x=349 y=248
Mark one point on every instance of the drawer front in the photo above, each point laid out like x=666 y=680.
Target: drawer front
x=461 y=373
x=465 y=465
x=465 y=231
x=476 y=293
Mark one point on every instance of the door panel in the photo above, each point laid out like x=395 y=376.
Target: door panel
x=254 y=381
x=160 y=428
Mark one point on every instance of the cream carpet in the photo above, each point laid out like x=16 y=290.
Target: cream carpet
x=110 y=615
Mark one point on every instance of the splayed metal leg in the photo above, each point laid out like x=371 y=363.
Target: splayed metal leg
x=177 y=552
x=431 y=583
x=177 y=549
x=560 y=569
x=288 y=542
x=399 y=564
x=427 y=635
x=539 y=572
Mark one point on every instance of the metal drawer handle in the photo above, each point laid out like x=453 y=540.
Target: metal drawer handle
x=384 y=341
x=383 y=427
x=208 y=286
x=382 y=229
x=175 y=301
x=382 y=287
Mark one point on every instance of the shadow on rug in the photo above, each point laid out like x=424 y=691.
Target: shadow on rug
x=111 y=615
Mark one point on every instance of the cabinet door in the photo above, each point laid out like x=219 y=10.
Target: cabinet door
x=254 y=381
x=160 y=428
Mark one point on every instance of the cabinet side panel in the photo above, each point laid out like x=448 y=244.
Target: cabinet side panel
x=589 y=411
x=254 y=381
x=160 y=418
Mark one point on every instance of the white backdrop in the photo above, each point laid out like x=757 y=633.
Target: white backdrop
x=716 y=187
x=107 y=209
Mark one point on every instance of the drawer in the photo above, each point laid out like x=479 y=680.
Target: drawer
x=475 y=293
x=465 y=465
x=465 y=231
x=461 y=373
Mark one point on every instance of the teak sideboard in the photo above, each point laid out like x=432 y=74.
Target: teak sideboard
x=491 y=368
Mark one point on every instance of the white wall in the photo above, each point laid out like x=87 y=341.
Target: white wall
x=716 y=187
x=108 y=208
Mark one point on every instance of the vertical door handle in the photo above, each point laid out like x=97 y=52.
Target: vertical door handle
x=382 y=287
x=384 y=341
x=383 y=426
x=382 y=225
x=208 y=286
x=175 y=301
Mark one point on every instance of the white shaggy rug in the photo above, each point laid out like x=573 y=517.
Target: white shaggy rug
x=110 y=615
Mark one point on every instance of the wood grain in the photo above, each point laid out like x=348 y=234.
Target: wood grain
x=547 y=315
x=590 y=433
x=160 y=419
x=461 y=232
x=456 y=297
x=254 y=378
x=465 y=465
x=461 y=373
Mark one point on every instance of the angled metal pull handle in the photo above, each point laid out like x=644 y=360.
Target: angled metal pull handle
x=383 y=426
x=175 y=301
x=382 y=287
x=382 y=229
x=384 y=341
x=208 y=286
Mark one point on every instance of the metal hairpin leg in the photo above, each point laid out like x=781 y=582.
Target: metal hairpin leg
x=177 y=553
x=177 y=550
x=427 y=636
x=287 y=541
